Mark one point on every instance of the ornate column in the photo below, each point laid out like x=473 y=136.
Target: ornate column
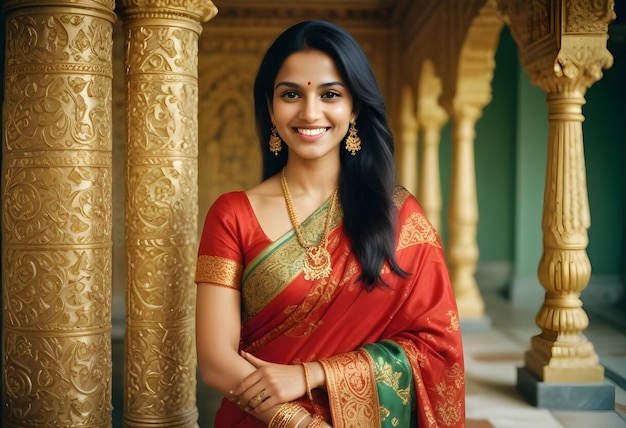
x=431 y=118
x=56 y=213
x=563 y=49
x=408 y=141
x=473 y=73
x=463 y=215
x=564 y=63
x=429 y=183
x=161 y=210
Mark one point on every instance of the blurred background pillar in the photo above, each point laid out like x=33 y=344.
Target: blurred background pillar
x=407 y=168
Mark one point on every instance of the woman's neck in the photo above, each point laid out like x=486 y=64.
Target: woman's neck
x=315 y=181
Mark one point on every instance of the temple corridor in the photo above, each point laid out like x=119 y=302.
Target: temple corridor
x=123 y=120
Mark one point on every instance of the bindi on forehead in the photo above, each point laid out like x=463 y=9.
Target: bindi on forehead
x=308 y=83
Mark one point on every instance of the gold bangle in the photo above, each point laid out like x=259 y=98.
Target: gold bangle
x=285 y=413
x=316 y=422
x=308 y=383
x=302 y=419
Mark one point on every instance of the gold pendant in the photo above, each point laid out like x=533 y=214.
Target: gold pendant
x=317 y=263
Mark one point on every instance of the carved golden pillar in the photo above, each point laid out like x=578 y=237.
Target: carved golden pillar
x=473 y=73
x=429 y=183
x=56 y=213
x=431 y=118
x=161 y=209
x=463 y=215
x=408 y=141
x=564 y=64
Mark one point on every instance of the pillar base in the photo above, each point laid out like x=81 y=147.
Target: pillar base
x=565 y=396
x=475 y=325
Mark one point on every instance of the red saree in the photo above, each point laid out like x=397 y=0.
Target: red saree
x=289 y=320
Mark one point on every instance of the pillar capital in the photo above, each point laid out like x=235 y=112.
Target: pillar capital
x=194 y=10
x=562 y=43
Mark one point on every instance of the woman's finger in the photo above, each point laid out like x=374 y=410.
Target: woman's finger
x=257 y=399
x=266 y=404
x=249 y=382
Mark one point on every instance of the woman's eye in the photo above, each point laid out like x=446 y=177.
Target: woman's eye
x=290 y=94
x=331 y=95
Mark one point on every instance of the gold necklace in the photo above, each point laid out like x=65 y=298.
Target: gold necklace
x=317 y=260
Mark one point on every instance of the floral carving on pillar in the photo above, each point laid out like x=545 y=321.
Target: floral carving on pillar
x=161 y=209
x=56 y=209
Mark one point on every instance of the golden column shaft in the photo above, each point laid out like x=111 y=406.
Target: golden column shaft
x=408 y=141
x=473 y=75
x=561 y=353
x=431 y=118
x=56 y=213
x=463 y=216
x=161 y=212
x=429 y=184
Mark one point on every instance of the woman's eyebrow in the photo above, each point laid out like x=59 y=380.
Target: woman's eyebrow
x=287 y=84
x=296 y=86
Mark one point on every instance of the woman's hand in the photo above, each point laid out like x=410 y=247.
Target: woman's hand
x=269 y=385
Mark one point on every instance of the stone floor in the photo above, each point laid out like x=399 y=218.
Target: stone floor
x=492 y=356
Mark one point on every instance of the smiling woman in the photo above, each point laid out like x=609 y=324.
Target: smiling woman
x=311 y=118
x=346 y=318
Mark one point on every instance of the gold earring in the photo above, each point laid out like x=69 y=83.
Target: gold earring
x=275 y=141
x=353 y=142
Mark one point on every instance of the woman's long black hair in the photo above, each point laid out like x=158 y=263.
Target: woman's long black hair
x=367 y=179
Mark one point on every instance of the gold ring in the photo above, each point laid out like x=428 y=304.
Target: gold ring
x=256 y=399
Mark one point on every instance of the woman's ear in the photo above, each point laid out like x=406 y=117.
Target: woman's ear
x=355 y=115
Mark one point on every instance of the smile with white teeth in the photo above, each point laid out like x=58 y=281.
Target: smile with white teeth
x=311 y=132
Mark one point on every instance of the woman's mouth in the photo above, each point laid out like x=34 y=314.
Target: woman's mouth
x=311 y=132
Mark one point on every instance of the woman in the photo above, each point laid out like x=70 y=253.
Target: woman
x=346 y=319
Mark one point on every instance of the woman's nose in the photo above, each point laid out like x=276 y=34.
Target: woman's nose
x=311 y=109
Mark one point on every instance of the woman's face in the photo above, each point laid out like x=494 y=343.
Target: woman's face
x=312 y=106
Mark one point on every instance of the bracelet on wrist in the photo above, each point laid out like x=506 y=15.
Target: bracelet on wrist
x=316 y=422
x=285 y=414
x=307 y=382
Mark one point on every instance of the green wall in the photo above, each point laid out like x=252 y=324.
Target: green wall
x=604 y=132
x=531 y=152
x=495 y=159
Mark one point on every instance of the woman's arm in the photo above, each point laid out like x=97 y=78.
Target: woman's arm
x=218 y=329
x=217 y=337
x=221 y=367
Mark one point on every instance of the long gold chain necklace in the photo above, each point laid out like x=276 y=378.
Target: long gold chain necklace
x=317 y=260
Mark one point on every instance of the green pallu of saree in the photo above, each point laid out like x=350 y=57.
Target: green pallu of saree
x=394 y=383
